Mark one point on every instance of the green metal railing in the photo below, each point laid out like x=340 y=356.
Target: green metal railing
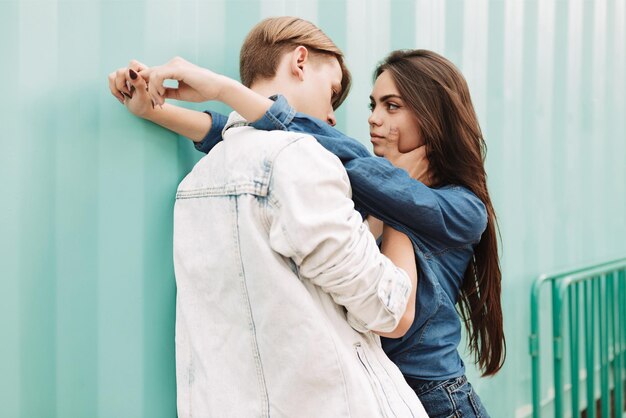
x=592 y=298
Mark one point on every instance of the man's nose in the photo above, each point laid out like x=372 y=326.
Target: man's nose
x=331 y=119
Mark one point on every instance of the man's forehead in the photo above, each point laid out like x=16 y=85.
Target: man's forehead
x=337 y=73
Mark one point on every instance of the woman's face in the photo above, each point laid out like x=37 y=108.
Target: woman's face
x=389 y=110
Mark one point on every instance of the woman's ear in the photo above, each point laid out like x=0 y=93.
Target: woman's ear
x=299 y=57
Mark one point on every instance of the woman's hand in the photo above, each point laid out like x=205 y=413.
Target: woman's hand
x=131 y=90
x=414 y=162
x=195 y=84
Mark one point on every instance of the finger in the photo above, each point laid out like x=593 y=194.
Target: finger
x=172 y=93
x=121 y=81
x=394 y=134
x=137 y=83
x=137 y=66
x=155 y=80
x=114 y=91
x=391 y=143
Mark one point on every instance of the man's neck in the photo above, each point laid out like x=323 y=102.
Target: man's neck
x=268 y=88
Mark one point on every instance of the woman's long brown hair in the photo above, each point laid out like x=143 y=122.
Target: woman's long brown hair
x=436 y=91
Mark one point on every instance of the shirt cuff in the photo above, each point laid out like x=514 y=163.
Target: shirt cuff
x=277 y=117
x=214 y=136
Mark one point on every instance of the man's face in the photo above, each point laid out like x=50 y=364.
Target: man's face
x=321 y=84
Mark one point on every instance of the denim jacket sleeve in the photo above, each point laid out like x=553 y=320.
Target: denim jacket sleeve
x=214 y=136
x=450 y=215
x=312 y=221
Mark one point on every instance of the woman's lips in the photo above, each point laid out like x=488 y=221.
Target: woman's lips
x=375 y=138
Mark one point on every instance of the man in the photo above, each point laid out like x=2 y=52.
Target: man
x=275 y=270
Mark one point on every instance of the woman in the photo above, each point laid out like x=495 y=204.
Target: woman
x=420 y=98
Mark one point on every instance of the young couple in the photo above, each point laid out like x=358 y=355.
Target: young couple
x=282 y=291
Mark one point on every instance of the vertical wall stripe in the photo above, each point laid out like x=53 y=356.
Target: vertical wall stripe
x=576 y=95
x=557 y=139
x=544 y=140
x=597 y=114
x=76 y=208
x=511 y=152
x=37 y=207
x=10 y=228
x=492 y=125
x=474 y=60
x=403 y=25
x=120 y=210
x=530 y=176
x=617 y=121
x=332 y=20
x=454 y=13
x=430 y=25
x=304 y=9
x=367 y=26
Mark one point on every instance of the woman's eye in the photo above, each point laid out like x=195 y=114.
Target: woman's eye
x=392 y=106
x=371 y=106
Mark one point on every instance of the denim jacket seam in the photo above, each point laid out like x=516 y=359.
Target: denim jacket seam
x=437 y=253
x=275 y=113
x=275 y=201
x=429 y=321
x=276 y=121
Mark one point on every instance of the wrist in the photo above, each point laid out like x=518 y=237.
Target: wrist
x=152 y=114
x=227 y=89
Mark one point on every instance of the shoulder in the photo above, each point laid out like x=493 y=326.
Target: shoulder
x=303 y=154
x=461 y=203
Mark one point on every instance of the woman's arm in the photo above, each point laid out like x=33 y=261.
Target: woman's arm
x=132 y=91
x=399 y=249
x=451 y=215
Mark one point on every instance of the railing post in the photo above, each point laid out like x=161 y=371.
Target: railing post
x=557 y=340
x=589 y=347
x=533 y=347
x=604 y=345
x=573 y=342
x=621 y=341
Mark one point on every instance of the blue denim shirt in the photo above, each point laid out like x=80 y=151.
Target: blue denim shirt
x=443 y=223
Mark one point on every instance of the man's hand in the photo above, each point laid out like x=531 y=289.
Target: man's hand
x=414 y=162
x=195 y=84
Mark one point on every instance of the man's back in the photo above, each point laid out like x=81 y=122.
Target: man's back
x=268 y=251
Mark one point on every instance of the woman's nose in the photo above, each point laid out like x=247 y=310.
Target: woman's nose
x=374 y=119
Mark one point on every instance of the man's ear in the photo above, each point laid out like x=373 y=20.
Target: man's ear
x=299 y=57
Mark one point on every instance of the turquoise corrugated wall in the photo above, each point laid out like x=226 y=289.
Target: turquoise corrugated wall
x=86 y=278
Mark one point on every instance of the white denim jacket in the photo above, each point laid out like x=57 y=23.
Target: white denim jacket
x=278 y=284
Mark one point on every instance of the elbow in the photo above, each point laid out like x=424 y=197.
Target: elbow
x=403 y=325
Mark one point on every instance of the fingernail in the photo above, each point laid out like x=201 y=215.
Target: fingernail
x=133 y=74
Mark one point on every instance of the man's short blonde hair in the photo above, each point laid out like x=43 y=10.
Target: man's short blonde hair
x=272 y=37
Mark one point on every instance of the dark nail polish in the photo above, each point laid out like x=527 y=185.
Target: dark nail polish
x=133 y=74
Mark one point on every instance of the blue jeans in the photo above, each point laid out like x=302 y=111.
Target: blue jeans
x=452 y=398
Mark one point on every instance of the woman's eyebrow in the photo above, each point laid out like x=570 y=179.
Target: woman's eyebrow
x=387 y=97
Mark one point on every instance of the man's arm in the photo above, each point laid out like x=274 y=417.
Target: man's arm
x=313 y=222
